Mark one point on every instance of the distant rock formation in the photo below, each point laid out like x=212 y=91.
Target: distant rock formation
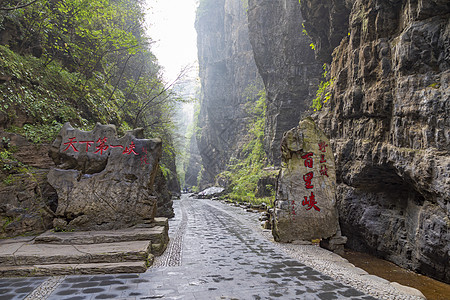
x=286 y=64
x=103 y=182
x=388 y=120
x=194 y=164
x=238 y=45
x=227 y=69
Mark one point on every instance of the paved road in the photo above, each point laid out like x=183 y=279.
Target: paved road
x=212 y=255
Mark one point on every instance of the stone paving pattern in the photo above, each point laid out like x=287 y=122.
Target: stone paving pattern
x=213 y=256
x=221 y=259
x=18 y=288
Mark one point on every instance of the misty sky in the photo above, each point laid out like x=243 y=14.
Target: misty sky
x=171 y=25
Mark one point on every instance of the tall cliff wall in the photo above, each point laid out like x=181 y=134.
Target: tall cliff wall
x=286 y=64
x=227 y=69
x=388 y=119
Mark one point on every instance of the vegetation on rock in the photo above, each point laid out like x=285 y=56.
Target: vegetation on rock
x=323 y=93
x=245 y=171
x=83 y=62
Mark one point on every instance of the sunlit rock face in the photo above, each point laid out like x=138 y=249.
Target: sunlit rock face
x=286 y=64
x=227 y=73
x=388 y=120
x=103 y=182
x=305 y=205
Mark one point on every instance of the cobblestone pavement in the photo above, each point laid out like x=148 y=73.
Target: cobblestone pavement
x=19 y=288
x=211 y=255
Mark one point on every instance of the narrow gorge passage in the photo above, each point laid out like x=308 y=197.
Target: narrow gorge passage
x=218 y=251
x=213 y=255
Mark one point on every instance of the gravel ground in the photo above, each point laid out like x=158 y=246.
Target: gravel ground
x=46 y=288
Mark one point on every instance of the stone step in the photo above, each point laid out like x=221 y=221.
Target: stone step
x=156 y=234
x=128 y=250
x=26 y=254
x=74 y=269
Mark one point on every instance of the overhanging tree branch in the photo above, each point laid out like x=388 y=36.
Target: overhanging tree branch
x=18 y=6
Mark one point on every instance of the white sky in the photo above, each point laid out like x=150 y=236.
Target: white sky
x=170 y=24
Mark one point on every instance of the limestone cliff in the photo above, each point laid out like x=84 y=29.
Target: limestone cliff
x=388 y=120
x=227 y=69
x=286 y=64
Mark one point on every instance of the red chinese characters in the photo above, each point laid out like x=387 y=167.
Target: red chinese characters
x=102 y=146
x=322 y=158
x=322 y=146
x=293 y=209
x=129 y=150
x=311 y=202
x=309 y=163
x=308 y=179
x=308 y=160
x=144 y=158
x=71 y=143
x=323 y=168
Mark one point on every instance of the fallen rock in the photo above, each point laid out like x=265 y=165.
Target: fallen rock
x=210 y=192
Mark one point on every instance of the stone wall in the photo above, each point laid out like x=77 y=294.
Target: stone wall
x=388 y=119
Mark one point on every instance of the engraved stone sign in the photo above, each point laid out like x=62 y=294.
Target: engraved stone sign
x=305 y=206
x=103 y=181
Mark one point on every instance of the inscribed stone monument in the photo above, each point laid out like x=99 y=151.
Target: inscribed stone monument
x=103 y=182
x=305 y=206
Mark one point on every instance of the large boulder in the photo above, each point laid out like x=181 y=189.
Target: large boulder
x=305 y=205
x=211 y=192
x=103 y=182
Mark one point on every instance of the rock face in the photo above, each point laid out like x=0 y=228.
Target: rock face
x=103 y=182
x=388 y=119
x=305 y=205
x=27 y=202
x=194 y=164
x=163 y=196
x=227 y=69
x=286 y=64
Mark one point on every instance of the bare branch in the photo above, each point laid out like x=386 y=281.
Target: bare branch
x=18 y=6
x=120 y=78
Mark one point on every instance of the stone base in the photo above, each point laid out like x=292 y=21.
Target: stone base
x=336 y=243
